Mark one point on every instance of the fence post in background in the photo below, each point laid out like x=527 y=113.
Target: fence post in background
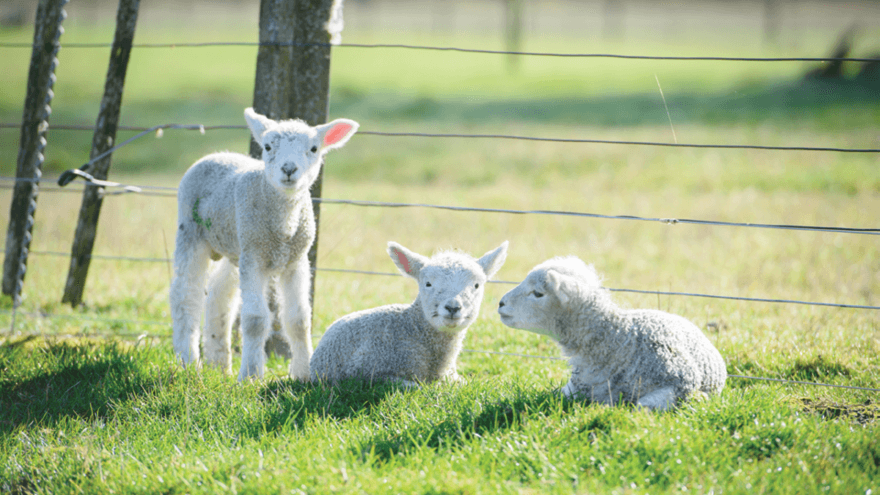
x=771 y=21
x=513 y=32
x=293 y=81
x=34 y=126
x=310 y=99
x=613 y=17
x=104 y=138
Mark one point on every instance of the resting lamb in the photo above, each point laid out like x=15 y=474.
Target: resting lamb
x=415 y=343
x=649 y=357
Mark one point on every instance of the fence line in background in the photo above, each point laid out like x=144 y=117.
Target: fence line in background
x=168 y=191
x=457 y=50
x=203 y=128
x=507 y=282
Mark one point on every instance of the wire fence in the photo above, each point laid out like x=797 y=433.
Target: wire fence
x=455 y=49
x=171 y=192
x=203 y=128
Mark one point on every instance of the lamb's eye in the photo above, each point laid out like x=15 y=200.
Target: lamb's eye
x=476 y=286
x=314 y=149
x=537 y=294
x=268 y=148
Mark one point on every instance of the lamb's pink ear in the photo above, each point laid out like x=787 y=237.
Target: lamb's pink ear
x=408 y=262
x=335 y=134
x=566 y=288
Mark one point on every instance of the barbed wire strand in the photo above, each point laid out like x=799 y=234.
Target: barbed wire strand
x=203 y=128
x=668 y=221
x=671 y=221
x=507 y=282
x=455 y=49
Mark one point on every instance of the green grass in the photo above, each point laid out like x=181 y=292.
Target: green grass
x=92 y=401
x=103 y=417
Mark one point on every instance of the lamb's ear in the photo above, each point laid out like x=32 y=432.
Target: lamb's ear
x=335 y=134
x=563 y=286
x=408 y=262
x=257 y=123
x=492 y=261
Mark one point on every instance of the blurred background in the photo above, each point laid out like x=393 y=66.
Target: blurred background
x=790 y=103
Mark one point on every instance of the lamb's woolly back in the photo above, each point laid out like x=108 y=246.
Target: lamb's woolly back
x=419 y=342
x=646 y=356
x=257 y=214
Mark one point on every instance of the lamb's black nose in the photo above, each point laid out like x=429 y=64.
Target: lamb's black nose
x=289 y=170
x=501 y=304
x=452 y=309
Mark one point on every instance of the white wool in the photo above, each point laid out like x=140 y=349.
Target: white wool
x=652 y=358
x=335 y=24
x=415 y=343
x=255 y=215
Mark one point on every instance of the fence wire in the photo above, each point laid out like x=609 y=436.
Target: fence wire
x=202 y=128
x=480 y=51
x=171 y=192
x=504 y=282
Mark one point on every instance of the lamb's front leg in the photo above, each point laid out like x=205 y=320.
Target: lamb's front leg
x=255 y=319
x=296 y=317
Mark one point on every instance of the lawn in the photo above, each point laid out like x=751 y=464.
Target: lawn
x=92 y=401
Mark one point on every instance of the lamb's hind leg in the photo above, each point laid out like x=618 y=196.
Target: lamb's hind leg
x=662 y=399
x=191 y=260
x=222 y=306
x=296 y=317
x=255 y=319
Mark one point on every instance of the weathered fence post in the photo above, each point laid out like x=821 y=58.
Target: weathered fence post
x=293 y=81
x=34 y=126
x=513 y=32
x=104 y=137
x=771 y=21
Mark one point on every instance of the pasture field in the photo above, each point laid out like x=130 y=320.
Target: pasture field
x=92 y=401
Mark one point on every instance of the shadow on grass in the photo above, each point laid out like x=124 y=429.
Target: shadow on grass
x=296 y=401
x=457 y=427
x=817 y=369
x=65 y=380
x=746 y=104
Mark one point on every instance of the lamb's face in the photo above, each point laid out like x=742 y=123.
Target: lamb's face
x=292 y=155
x=293 y=150
x=450 y=284
x=450 y=294
x=532 y=305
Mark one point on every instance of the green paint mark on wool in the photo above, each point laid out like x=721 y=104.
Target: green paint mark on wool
x=199 y=220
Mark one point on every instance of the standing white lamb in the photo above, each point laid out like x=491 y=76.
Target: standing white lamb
x=257 y=216
x=415 y=343
x=649 y=357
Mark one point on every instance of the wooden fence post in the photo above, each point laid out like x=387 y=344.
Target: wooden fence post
x=513 y=32
x=104 y=137
x=293 y=81
x=34 y=126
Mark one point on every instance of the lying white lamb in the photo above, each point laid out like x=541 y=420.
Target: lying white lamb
x=257 y=216
x=649 y=357
x=415 y=343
